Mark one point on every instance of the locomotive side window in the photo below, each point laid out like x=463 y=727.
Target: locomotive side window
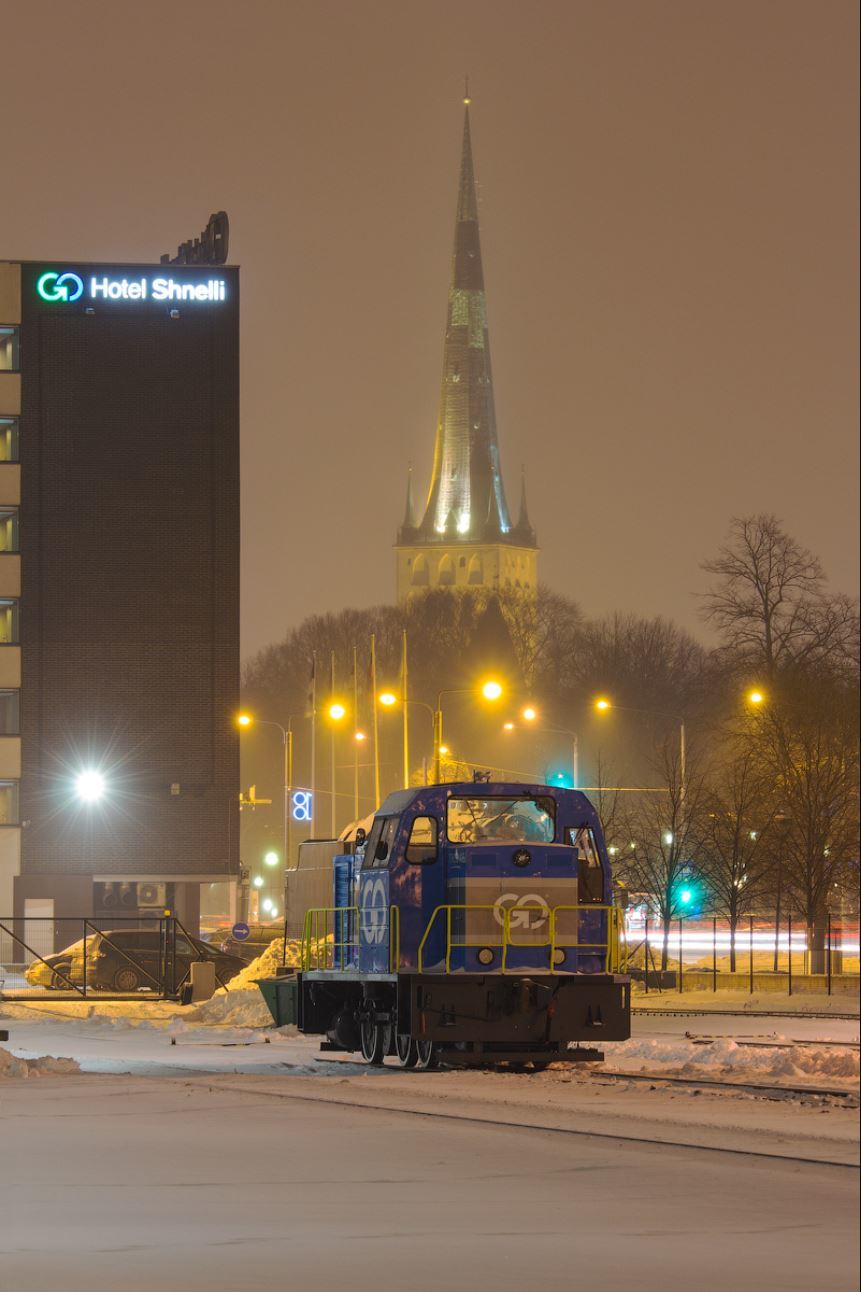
x=422 y=844
x=501 y=820
x=382 y=851
x=371 y=845
x=582 y=838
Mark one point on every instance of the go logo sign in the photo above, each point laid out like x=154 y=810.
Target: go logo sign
x=528 y=912
x=303 y=805
x=55 y=287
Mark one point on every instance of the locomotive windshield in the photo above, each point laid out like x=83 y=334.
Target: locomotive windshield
x=501 y=820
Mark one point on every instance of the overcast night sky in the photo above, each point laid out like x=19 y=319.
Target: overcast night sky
x=668 y=207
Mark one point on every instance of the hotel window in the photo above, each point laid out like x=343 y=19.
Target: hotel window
x=10 y=713
x=8 y=439
x=9 y=621
x=9 y=803
x=8 y=349
x=9 y=529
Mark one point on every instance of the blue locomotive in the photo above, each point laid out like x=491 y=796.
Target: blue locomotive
x=474 y=925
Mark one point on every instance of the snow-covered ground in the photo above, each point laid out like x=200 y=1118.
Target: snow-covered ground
x=200 y=1148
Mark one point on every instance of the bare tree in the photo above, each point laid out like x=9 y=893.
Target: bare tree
x=770 y=603
x=664 y=830
x=735 y=849
x=807 y=742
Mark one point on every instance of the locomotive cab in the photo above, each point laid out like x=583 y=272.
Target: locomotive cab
x=479 y=924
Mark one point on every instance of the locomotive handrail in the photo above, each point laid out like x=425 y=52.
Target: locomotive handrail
x=609 y=946
x=311 y=943
x=394 y=939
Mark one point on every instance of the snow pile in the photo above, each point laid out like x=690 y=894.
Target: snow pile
x=45 y=1066
x=240 y=1003
x=725 y=1057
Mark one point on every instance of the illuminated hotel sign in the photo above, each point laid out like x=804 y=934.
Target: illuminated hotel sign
x=63 y=287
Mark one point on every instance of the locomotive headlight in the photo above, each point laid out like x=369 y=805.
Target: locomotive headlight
x=559 y=956
x=485 y=956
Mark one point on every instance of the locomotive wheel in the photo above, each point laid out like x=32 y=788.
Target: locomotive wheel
x=407 y=1051
x=426 y=1055
x=374 y=1041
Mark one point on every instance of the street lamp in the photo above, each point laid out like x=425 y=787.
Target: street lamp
x=755 y=697
x=491 y=689
x=603 y=705
x=336 y=713
x=90 y=785
x=247 y=720
x=530 y=714
x=270 y=858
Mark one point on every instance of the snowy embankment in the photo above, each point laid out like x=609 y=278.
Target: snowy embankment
x=777 y=1060
x=46 y=1065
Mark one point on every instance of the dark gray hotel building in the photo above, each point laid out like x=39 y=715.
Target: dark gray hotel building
x=119 y=588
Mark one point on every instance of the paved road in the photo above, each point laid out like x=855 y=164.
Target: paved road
x=132 y=1184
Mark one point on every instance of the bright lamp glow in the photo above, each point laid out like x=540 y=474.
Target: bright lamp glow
x=388 y=698
x=90 y=786
x=491 y=690
x=755 y=697
x=602 y=704
x=508 y=726
x=257 y=881
x=444 y=749
x=267 y=904
x=360 y=736
x=529 y=714
x=668 y=837
x=244 y=720
x=270 y=858
x=337 y=712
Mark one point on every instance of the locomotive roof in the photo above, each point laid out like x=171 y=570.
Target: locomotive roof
x=400 y=800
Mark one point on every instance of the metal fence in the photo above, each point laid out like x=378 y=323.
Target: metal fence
x=758 y=954
x=47 y=958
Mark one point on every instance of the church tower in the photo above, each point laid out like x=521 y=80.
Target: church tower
x=465 y=538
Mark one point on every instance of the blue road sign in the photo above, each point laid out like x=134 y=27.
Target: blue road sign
x=240 y=932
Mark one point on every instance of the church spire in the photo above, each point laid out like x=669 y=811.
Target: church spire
x=410 y=508
x=466 y=498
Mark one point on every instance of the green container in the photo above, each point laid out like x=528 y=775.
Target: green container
x=281 y=996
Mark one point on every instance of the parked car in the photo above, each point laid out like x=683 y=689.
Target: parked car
x=259 y=938
x=127 y=960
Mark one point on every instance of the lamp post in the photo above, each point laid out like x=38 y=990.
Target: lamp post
x=491 y=690
x=530 y=714
x=388 y=699
x=603 y=705
x=247 y=720
x=336 y=713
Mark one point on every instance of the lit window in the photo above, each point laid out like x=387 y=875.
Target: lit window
x=8 y=621
x=8 y=439
x=9 y=529
x=422 y=845
x=10 y=713
x=9 y=803
x=8 y=349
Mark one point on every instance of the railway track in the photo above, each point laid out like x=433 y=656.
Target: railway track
x=738 y=1013
x=775 y=1090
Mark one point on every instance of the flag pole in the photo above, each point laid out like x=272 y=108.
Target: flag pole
x=313 y=821
x=332 y=744
x=405 y=707
x=376 y=732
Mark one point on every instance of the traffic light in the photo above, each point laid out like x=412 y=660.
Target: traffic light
x=688 y=895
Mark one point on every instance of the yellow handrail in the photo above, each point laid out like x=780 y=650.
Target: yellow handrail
x=610 y=946
x=313 y=943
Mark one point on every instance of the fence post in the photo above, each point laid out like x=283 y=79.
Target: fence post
x=828 y=957
x=751 y=953
x=681 y=948
x=85 y=960
x=714 y=953
x=789 y=948
x=646 y=954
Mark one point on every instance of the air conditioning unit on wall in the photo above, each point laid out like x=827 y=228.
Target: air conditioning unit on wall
x=151 y=895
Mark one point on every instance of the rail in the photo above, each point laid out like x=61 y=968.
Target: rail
x=330 y=938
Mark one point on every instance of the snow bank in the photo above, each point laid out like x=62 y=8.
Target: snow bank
x=726 y=1057
x=44 y=1066
x=240 y=1003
